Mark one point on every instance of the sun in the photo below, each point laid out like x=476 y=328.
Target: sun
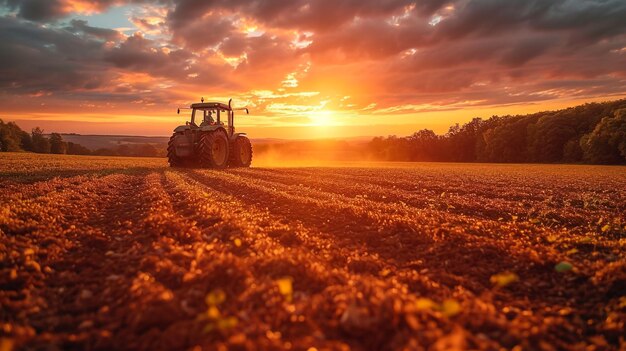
x=322 y=124
x=321 y=118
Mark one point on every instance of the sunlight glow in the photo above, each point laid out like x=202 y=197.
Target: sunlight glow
x=322 y=118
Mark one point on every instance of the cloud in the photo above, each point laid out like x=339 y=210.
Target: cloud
x=386 y=54
x=203 y=32
x=368 y=38
x=42 y=59
x=36 y=10
x=490 y=17
x=585 y=21
x=321 y=15
x=80 y=26
x=47 y=10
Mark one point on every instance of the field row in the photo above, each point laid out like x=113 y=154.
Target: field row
x=424 y=257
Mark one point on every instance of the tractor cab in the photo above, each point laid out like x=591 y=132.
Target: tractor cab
x=209 y=114
x=208 y=138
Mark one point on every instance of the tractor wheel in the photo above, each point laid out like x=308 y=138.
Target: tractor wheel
x=173 y=160
x=241 y=152
x=213 y=149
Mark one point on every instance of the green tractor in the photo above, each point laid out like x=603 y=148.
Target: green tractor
x=207 y=141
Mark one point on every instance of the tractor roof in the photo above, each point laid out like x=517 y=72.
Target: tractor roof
x=210 y=105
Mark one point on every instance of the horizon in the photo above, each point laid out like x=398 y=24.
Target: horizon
x=440 y=132
x=306 y=70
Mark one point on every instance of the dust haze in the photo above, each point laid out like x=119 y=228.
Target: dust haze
x=310 y=153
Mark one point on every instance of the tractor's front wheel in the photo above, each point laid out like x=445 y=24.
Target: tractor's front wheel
x=172 y=159
x=213 y=149
x=241 y=152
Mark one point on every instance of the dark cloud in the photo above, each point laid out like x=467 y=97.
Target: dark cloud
x=469 y=53
x=36 y=10
x=234 y=45
x=203 y=32
x=52 y=10
x=320 y=15
x=490 y=17
x=77 y=58
x=265 y=59
x=267 y=52
x=585 y=21
x=429 y=8
x=80 y=26
x=489 y=32
x=138 y=54
x=525 y=49
x=324 y=15
x=47 y=10
x=35 y=58
x=367 y=39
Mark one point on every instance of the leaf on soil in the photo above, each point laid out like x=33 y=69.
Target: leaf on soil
x=34 y=265
x=425 y=304
x=213 y=312
x=227 y=323
x=215 y=297
x=285 y=287
x=504 y=278
x=450 y=307
x=563 y=267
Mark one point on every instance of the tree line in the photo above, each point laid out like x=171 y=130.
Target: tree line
x=592 y=133
x=14 y=139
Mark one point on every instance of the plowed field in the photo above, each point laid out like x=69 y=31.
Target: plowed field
x=119 y=253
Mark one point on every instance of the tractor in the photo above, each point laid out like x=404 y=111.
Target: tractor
x=206 y=141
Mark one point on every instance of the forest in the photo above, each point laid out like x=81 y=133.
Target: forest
x=593 y=133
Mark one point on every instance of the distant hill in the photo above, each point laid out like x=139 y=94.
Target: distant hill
x=94 y=142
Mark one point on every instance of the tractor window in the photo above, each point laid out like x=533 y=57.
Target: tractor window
x=222 y=117
x=208 y=118
x=193 y=117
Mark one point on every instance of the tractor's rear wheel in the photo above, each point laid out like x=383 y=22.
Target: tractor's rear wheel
x=213 y=149
x=172 y=159
x=241 y=152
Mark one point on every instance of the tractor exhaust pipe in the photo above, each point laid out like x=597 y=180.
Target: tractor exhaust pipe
x=237 y=109
x=242 y=109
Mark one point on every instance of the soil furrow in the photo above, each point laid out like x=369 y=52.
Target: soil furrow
x=424 y=257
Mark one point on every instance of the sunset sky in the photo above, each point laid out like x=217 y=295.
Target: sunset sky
x=306 y=69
